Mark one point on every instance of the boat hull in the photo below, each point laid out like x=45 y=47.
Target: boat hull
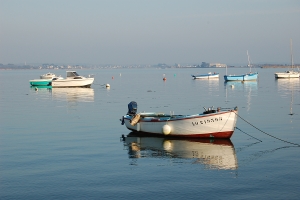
x=289 y=74
x=86 y=82
x=213 y=125
x=206 y=76
x=40 y=82
x=243 y=77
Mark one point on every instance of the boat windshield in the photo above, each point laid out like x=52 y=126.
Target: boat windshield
x=72 y=74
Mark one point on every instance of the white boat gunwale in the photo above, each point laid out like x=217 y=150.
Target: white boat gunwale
x=177 y=117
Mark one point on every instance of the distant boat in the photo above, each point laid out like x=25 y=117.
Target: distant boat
x=251 y=76
x=287 y=74
x=45 y=80
x=290 y=73
x=212 y=123
x=48 y=75
x=73 y=79
x=209 y=75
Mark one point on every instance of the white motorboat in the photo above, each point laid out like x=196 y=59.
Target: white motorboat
x=212 y=123
x=73 y=79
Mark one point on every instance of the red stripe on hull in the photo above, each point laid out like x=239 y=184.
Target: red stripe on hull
x=221 y=135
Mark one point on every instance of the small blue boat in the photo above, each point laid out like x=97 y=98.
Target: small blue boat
x=40 y=82
x=244 y=77
x=251 y=76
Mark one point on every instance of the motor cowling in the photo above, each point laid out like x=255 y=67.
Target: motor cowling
x=132 y=108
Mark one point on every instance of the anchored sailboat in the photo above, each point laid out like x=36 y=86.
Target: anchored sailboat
x=290 y=73
x=251 y=76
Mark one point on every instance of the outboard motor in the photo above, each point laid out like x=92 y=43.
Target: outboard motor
x=132 y=108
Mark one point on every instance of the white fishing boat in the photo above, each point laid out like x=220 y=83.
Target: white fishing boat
x=213 y=154
x=212 y=123
x=290 y=73
x=209 y=75
x=73 y=79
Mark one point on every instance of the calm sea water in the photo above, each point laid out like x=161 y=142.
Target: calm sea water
x=66 y=143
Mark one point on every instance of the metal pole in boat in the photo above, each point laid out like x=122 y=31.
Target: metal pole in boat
x=292 y=60
x=249 y=61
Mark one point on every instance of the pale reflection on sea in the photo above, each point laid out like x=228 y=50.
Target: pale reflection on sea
x=65 y=143
x=213 y=154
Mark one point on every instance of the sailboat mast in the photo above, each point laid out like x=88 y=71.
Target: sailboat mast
x=292 y=60
x=249 y=61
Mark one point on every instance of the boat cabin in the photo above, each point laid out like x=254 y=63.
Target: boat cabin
x=73 y=75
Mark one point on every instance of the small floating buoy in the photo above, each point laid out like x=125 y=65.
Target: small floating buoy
x=166 y=129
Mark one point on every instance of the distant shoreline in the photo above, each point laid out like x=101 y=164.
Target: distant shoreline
x=76 y=67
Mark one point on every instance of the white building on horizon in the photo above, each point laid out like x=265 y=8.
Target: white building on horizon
x=217 y=65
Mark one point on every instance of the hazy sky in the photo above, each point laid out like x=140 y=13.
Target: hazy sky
x=148 y=31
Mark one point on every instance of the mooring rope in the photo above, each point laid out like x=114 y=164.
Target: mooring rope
x=248 y=134
x=265 y=132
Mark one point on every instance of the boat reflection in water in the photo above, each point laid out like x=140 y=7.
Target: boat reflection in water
x=42 y=87
x=288 y=88
x=211 y=84
x=245 y=85
x=73 y=94
x=249 y=87
x=43 y=91
x=213 y=154
x=288 y=85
